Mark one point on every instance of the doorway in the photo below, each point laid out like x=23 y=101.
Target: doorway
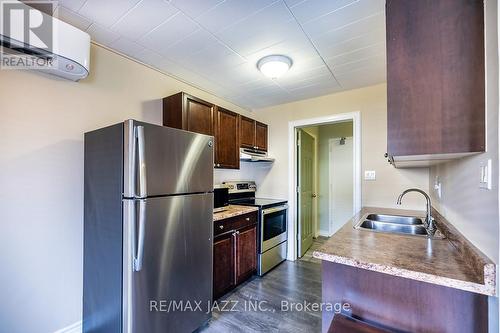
x=325 y=175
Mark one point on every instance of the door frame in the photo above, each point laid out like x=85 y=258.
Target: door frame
x=355 y=117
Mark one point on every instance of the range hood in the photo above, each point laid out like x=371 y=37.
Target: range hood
x=254 y=155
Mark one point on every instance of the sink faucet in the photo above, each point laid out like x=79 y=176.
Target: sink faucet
x=429 y=220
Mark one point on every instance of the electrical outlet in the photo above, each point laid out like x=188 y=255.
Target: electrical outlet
x=485 y=175
x=370 y=175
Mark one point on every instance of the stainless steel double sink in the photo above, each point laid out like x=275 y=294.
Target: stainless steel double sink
x=397 y=224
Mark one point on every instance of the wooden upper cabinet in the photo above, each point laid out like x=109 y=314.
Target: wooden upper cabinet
x=435 y=78
x=189 y=113
x=261 y=136
x=227 y=132
x=229 y=129
x=247 y=132
x=253 y=134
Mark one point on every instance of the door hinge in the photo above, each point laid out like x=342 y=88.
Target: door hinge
x=298 y=189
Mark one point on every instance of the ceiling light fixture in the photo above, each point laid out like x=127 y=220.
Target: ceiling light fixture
x=273 y=66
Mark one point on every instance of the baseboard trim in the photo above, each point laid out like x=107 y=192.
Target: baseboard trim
x=324 y=233
x=73 y=328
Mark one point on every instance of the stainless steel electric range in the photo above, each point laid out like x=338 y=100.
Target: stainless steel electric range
x=272 y=228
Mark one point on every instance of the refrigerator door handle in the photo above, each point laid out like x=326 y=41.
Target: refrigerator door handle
x=138 y=256
x=141 y=158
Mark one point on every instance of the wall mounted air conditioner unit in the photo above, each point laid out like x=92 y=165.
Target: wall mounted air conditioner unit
x=68 y=54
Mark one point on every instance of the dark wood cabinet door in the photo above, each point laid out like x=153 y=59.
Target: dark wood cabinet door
x=189 y=113
x=261 y=136
x=227 y=153
x=246 y=253
x=435 y=77
x=199 y=116
x=223 y=265
x=247 y=132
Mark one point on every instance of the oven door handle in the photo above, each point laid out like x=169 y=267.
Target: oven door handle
x=274 y=209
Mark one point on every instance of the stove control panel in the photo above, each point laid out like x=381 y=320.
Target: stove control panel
x=240 y=186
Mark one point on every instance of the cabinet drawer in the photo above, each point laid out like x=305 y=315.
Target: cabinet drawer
x=234 y=223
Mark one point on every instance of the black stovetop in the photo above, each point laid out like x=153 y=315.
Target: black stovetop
x=258 y=202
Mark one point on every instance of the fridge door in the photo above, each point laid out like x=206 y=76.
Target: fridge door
x=161 y=160
x=167 y=263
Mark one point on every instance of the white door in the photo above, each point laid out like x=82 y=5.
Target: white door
x=341 y=182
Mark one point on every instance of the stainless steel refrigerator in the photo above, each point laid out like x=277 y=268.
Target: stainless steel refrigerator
x=147 y=229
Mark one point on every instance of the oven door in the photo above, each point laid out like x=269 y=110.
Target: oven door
x=273 y=227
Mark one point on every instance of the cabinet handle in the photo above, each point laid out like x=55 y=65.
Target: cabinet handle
x=247 y=219
x=221 y=227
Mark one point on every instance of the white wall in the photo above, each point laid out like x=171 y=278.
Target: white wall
x=41 y=179
x=327 y=132
x=248 y=171
x=341 y=184
x=372 y=104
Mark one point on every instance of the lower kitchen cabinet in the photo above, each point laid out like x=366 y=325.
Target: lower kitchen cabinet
x=235 y=252
x=246 y=253
x=223 y=265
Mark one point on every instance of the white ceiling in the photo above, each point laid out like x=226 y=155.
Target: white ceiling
x=215 y=44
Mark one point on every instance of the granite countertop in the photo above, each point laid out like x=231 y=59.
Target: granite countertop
x=452 y=262
x=234 y=210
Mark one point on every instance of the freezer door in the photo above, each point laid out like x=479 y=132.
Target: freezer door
x=172 y=273
x=161 y=160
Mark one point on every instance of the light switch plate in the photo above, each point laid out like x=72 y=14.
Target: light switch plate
x=485 y=175
x=370 y=175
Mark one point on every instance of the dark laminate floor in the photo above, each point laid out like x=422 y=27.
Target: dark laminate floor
x=296 y=282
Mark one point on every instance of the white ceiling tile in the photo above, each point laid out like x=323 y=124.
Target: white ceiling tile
x=215 y=56
x=354 y=29
x=230 y=12
x=150 y=57
x=107 y=12
x=72 y=18
x=144 y=17
x=314 y=9
x=375 y=62
x=192 y=44
x=215 y=44
x=194 y=8
x=330 y=49
x=369 y=51
x=73 y=5
x=324 y=78
x=270 y=26
x=292 y=3
x=102 y=35
x=171 y=31
x=127 y=47
x=362 y=78
x=344 y=16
